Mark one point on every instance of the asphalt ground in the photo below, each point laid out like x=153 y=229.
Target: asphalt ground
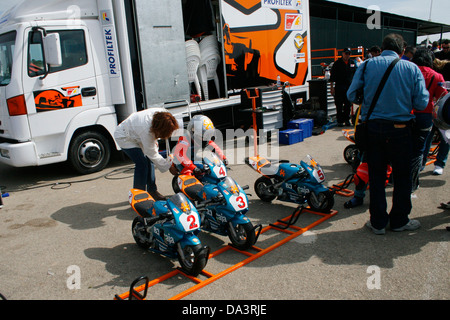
x=59 y=230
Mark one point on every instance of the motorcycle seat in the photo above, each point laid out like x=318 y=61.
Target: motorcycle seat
x=144 y=208
x=269 y=169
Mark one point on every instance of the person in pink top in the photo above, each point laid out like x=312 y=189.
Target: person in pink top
x=423 y=58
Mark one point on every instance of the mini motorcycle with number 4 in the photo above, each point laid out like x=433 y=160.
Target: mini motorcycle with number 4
x=224 y=201
x=297 y=183
x=169 y=228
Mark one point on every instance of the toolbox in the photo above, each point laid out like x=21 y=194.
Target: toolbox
x=291 y=136
x=304 y=124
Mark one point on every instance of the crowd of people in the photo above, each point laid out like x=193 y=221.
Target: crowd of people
x=400 y=127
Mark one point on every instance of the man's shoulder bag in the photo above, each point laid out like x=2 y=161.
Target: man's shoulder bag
x=361 y=132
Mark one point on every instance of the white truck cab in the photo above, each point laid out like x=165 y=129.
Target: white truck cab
x=56 y=101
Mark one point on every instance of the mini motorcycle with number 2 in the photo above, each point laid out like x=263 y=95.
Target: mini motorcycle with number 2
x=297 y=183
x=169 y=228
x=224 y=202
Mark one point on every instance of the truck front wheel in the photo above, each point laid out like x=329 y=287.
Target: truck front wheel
x=89 y=152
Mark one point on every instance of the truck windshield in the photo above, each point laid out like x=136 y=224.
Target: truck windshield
x=7 y=42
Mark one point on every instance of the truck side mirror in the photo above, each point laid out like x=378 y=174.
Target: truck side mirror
x=52 y=50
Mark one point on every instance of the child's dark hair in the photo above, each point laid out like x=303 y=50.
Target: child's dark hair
x=423 y=57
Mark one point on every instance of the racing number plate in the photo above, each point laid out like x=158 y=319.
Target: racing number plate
x=220 y=171
x=190 y=221
x=239 y=202
x=318 y=174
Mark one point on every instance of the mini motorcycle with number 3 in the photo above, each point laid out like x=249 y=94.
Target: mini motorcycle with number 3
x=224 y=201
x=297 y=183
x=169 y=228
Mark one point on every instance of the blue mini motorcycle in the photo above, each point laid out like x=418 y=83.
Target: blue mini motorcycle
x=297 y=183
x=169 y=228
x=224 y=201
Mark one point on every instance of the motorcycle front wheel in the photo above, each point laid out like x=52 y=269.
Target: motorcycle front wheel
x=242 y=236
x=322 y=202
x=194 y=260
x=262 y=185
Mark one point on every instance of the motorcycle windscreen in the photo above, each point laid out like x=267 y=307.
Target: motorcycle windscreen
x=217 y=167
x=237 y=199
x=265 y=43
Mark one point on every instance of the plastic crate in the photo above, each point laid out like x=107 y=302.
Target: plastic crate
x=304 y=124
x=291 y=136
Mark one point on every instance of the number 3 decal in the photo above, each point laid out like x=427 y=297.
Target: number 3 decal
x=240 y=202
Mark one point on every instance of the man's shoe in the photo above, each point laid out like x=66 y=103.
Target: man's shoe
x=410 y=226
x=157 y=196
x=438 y=171
x=376 y=231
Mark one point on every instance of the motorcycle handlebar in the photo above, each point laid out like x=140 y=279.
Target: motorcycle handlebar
x=204 y=203
x=162 y=216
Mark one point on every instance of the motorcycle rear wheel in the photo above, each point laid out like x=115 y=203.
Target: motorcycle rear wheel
x=243 y=235
x=140 y=233
x=322 y=202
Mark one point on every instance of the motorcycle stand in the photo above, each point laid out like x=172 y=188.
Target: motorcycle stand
x=135 y=294
x=292 y=219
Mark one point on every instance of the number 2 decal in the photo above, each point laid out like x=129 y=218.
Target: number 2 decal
x=193 y=224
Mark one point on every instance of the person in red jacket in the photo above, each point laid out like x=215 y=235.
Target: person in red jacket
x=361 y=180
x=423 y=57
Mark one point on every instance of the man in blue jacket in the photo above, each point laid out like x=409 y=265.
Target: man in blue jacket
x=390 y=132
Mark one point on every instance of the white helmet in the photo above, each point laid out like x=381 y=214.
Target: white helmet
x=201 y=128
x=441 y=113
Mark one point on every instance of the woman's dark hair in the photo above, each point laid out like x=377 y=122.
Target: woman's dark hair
x=163 y=125
x=394 y=42
x=423 y=57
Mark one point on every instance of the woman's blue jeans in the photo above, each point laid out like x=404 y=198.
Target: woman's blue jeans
x=144 y=170
x=442 y=155
x=389 y=144
x=423 y=126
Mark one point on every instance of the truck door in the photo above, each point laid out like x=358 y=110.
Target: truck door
x=55 y=95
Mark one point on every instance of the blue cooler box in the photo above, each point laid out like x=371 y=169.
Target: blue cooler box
x=291 y=136
x=304 y=124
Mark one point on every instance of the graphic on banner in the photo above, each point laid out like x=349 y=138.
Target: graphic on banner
x=293 y=22
x=265 y=41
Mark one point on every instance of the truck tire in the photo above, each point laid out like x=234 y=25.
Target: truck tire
x=89 y=152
